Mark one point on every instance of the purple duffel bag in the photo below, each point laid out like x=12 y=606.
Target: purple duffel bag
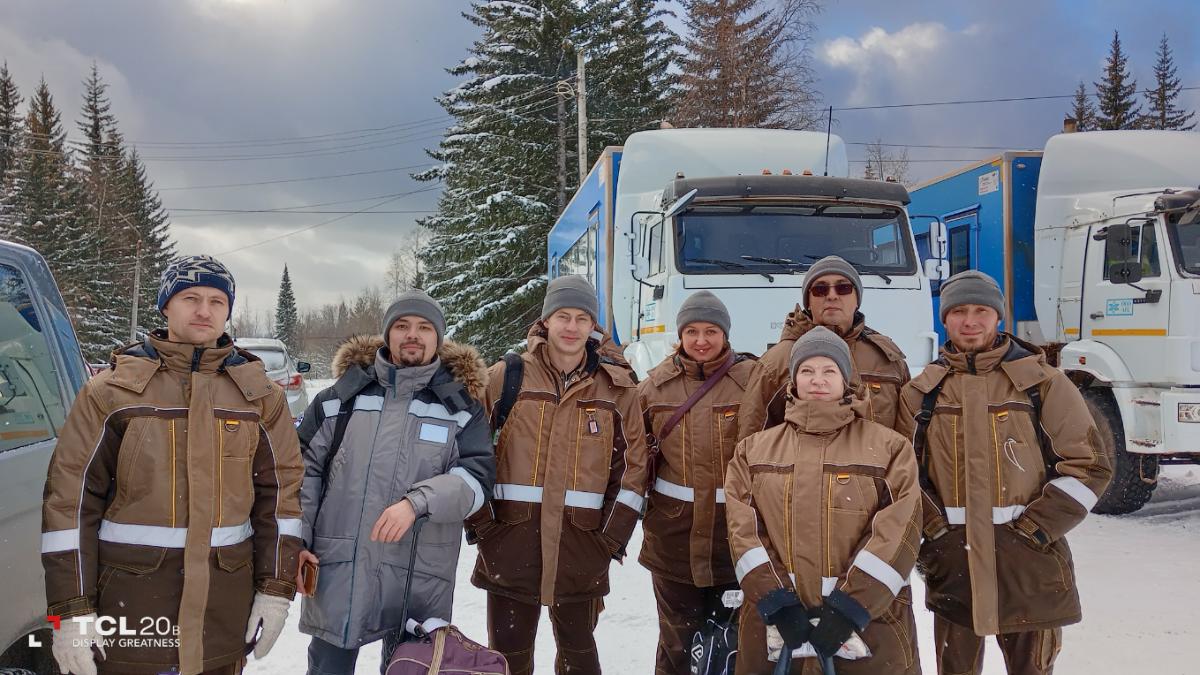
x=440 y=648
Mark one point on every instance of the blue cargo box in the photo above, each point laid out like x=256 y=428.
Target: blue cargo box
x=988 y=210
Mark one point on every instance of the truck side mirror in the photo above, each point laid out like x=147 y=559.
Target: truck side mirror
x=934 y=269
x=1124 y=267
x=303 y=366
x=639 y=264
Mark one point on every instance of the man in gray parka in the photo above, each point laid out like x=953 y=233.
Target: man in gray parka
x=415 y=443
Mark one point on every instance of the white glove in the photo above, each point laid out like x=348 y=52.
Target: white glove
x=72 y=648
x=272 y=612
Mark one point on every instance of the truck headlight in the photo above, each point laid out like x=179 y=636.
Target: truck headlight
x=1189 y=413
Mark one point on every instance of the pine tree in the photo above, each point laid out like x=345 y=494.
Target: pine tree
x=153 y=249
x=1163 y=100
x=485 y=260
x=287 y=319
x=1118 y=107
x=631 y=54
x=1083 y=111
x=747 y=64
x=46 y=206
x=10 y=122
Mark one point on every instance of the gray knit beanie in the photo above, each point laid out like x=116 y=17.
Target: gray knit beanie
x=971 y=287
x=832 y=264
x=703 y=306
x=416 y=303
x=570 y=292
x=820 y=341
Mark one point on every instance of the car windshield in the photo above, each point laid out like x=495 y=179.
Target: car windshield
x=272 y=359
x=751 y=239
x=1185 y=238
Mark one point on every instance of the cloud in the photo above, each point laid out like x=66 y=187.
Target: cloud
x=877 y=52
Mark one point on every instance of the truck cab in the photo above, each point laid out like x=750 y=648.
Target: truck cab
x=742 y=213
x=41 y=368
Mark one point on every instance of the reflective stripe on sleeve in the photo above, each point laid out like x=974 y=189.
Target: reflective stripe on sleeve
x=476 y=488
x=1076 y=490
x=60 y=540
x=290 y=527
x=749 y=560
x=880 y=570
x=631 y=499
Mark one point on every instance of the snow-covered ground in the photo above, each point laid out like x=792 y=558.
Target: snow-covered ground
x=1137 y=575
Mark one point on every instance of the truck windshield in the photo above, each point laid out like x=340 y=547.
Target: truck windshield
x=1185 y=238
x=789 y=238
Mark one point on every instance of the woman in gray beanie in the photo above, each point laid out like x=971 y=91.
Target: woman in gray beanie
x=685 y=546
x=824 y=515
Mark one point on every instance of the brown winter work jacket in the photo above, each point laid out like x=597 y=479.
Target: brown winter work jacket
x=686 y=538
x=571 y=474
x=829 y=501
x=998 y=502
x=173 y=492
x=878 y=363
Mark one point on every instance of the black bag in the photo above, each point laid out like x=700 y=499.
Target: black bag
x=714 y=647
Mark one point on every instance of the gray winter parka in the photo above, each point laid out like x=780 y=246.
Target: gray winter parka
x=416 y=433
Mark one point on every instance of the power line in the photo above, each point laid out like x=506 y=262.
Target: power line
x=982 y=100
x=327 y=222
x=299 y=180
x=213 y=212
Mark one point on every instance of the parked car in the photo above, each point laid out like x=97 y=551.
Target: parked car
x=41 y=368
x=282 y=368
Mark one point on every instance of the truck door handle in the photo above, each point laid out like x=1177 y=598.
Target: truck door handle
x=1096 y=315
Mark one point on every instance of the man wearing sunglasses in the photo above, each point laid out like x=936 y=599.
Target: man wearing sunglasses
x=832 y=297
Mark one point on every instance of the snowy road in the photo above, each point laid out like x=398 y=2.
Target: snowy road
x=1139 y=576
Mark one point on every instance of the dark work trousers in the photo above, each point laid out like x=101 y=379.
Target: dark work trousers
x=512 y=629
x=960 y=650
x=682 y=610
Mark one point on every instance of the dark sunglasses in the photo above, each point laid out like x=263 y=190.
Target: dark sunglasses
x=822 y=289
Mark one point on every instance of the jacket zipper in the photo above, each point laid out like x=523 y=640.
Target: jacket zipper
x=196 y=354
x=971 y=363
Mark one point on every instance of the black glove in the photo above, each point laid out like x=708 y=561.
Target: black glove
x=782 y=609
x=840 y=616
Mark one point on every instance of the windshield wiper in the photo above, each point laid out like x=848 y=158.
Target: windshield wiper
x=731 y=265
x=881 y=275
x=774 y=261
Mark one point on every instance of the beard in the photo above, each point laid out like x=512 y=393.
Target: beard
x=407 y=358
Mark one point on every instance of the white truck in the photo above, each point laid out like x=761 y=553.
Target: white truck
x=742 y=213
x=1096 y=240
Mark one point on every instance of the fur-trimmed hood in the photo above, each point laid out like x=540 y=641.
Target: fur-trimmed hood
x=463 y=361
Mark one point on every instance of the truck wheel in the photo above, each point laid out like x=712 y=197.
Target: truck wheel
x=1134 y=475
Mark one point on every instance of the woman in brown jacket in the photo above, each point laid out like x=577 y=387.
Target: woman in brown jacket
x=824 y=521
x=686 y=545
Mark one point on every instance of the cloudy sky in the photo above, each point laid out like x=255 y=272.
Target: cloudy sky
x=205 y=88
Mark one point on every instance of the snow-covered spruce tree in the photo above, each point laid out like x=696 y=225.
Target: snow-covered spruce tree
x=1083 y=111
x=1118 y=106
x=747 y=64
x=485 y=260
x=10 y=129
x=142 y=209
x=287 y=319
x=100 y=155
x=630 y=54
x=1163 y=100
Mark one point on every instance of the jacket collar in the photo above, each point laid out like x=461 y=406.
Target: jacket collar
x=799 y=321
x=823 y=417
x=1023 y=363
x=403 y=379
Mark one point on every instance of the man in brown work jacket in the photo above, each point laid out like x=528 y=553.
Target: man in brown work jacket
x=1009 y=461
x=832 y=296
x=172 y=501
x=571 y=474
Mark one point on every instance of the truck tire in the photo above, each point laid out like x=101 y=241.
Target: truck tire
x=1134 y=475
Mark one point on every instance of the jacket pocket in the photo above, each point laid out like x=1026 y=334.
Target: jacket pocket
x=131 y=558
x=236 y=556
x=236 y=438
x=512 y=513
x=587 y=520
x=853 y=487
x=662 y=506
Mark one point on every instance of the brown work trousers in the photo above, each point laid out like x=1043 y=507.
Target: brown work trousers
x=512 y=630
x=682 y=611
x=960 y=650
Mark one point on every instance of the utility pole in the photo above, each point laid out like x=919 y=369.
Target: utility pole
x=581 y=106
x=562 y=145
x=137 y=278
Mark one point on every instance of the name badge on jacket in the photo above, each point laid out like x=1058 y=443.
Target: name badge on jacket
x=434 y=433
